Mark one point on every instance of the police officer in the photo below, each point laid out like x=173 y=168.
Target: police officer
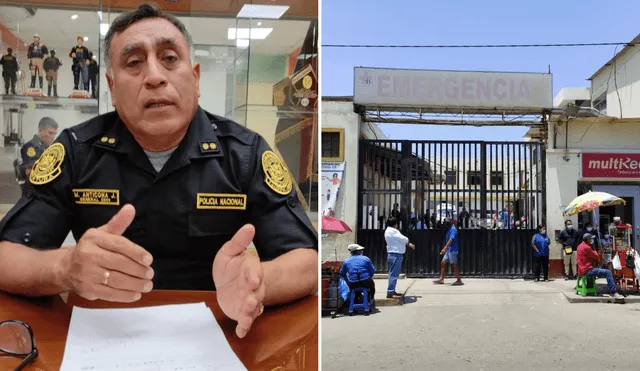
x=160 y=194
x=36 y=52
x=80 y=54
x=33 y=149
x=94 y=71
x=51 y=66
x=9 y=70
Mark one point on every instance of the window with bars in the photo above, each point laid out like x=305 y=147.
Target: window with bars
x=332 y=145
x=497 y=178
x=450 y=177
x=474 y=178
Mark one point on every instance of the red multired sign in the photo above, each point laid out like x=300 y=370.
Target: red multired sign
x=610 y=165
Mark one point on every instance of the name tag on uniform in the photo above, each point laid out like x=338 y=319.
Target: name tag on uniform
x=221 y=201
x=110 y=197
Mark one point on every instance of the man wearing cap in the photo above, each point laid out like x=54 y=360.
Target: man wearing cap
x=9 y=64
x=613 y=230
x=586 y=257
x=358 y=270
x=36 y=52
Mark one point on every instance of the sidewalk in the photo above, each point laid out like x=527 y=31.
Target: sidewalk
x=490 y=292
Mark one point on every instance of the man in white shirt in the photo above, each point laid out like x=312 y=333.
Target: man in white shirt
x=396 y=246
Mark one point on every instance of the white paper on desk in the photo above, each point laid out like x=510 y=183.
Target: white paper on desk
x=166 y=337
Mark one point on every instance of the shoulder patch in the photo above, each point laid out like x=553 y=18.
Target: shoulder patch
x=31 y=152
x=276 y=173
x=48 y=166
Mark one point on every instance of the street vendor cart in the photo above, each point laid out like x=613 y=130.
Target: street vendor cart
x=621 y=236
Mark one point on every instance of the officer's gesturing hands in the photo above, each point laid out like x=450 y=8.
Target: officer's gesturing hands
x=239 y=281
x=105 y=265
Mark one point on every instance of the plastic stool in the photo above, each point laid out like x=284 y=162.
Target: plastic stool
x=582 y=286
x=365 y=301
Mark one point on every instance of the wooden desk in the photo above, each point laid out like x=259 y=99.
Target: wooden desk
x=283 y=338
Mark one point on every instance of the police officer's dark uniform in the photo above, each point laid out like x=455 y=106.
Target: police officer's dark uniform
x=220 y=177
x=36 y=53
x=51 y=65
x=79 y=67
x=9 y=69
x=29 y=153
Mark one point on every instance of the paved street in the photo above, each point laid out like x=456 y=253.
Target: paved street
x=485 y=325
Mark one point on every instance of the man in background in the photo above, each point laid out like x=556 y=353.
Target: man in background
x=396 y=247
x=357 y=270
x=36 y=52
x=568 y=238
x=33 y=149
x=9 y=70
x=80 y=54
x=51 y=66
x=450 y=254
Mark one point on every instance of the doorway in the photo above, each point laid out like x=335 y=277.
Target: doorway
x=629 y=213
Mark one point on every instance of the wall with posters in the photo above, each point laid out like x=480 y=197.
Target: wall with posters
x=332 y=175
x=337 y=112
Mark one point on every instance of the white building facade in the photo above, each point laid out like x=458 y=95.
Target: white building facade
x=600 y=153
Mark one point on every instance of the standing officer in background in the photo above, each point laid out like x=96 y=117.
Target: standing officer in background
x=80 y=54
x=36 y=52
x=51 y=66
x=9 y=70
x=94 y=71
x=160 y=194
x=33 y=149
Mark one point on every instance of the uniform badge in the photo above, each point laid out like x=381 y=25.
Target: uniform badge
x=48 y=166
x=221 y=201
x=276 y=173
x=31 y=152
x=107 y=197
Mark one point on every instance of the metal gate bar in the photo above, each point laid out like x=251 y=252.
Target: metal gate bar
x=492 y=190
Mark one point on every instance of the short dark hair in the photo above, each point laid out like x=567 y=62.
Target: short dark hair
x=9 y=50
x=567 y=221
x=144 y=11
x=391 y=222
x=540 y=226
x=47 y=122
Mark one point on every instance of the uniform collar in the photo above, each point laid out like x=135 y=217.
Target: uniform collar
x=199 y=142
x=38 y=141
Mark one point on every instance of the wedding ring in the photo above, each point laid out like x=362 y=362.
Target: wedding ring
x=105 y=280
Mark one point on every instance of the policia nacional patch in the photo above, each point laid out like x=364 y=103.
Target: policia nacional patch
x=276 y=173
x=48 y=166
x=31 y=152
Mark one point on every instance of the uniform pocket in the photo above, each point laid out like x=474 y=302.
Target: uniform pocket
x=203 y=223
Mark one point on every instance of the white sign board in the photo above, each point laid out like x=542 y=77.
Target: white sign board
x=332 y=174
x=428 y=88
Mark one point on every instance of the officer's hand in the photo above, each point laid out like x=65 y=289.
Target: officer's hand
x=100 y=250
x=240 y=286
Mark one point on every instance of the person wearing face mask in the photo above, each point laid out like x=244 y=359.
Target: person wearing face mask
x=568 y=239
x=586 y=258
x=540 y=244
x=588 y=228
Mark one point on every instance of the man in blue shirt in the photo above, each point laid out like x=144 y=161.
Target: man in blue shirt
x=450 y=252
x=358 y=270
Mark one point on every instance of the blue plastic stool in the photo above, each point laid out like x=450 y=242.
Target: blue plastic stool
x=365 y=301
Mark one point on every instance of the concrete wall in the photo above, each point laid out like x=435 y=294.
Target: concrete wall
x=341 y=115
x=627 y=79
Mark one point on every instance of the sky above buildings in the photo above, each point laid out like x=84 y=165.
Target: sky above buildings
x=411 y=22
